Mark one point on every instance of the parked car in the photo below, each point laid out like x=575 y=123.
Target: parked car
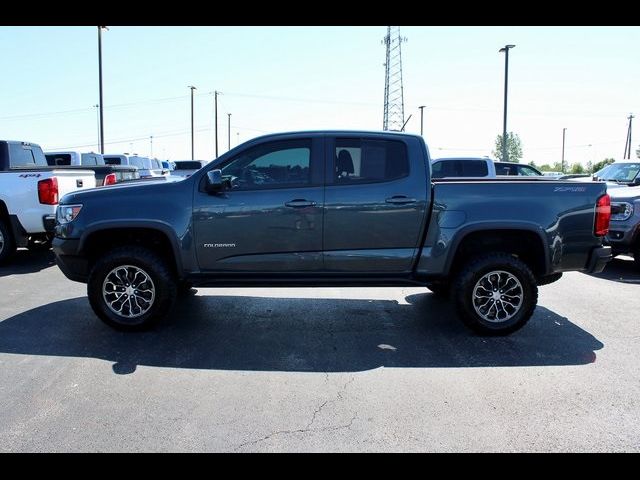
x=622 y=172
x=29 y=193
x=553 y=174
x=105 y=174
x=148 y=167
x=186 y=168
x=624 y=233
x=478 y=167
x=331 y=208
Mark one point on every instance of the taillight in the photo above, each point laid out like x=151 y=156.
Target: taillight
x=110 y=179
x=603 y=215
x=48 y=191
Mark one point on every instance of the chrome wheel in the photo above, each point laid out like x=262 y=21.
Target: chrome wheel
x=497 y=296
x=128 y=291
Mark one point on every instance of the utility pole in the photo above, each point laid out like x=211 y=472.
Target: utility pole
x=627 y=145
x=192 y=145
x=215 y=118
x=421 y=107
x=100 y=87
x=229 y=130
x=563 y=135
x=97 y=107
x=505 y=49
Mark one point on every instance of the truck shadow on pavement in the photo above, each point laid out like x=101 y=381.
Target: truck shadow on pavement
x=26 y=261
x=620 y=270
x=296 y=334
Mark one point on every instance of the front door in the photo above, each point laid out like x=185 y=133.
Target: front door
x=271 y=218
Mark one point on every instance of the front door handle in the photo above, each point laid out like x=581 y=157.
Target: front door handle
x=300 y=203
x=400 y=200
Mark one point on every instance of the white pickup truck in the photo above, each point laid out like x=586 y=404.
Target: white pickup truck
x=29 y=193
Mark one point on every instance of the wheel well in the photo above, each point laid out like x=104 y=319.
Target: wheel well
x=4 y=212
x=526 y=245
x=97 y=243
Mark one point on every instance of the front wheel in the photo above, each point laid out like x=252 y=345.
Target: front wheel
x=636 y=255
x=131 y=288
x=495 y=294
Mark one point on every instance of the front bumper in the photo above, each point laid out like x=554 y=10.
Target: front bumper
x=600 y=256
x=74 y=266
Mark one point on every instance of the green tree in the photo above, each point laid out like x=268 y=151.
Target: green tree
x=601 y=164
x=514 y=148
x=638 y=152
x=576 y=168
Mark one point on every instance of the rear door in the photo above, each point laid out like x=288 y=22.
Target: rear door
x=375 y=204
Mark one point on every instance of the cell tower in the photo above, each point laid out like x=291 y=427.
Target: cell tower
x=393 y=96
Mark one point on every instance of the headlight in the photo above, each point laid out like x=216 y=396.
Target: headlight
x=621 y=211
x=67 y=213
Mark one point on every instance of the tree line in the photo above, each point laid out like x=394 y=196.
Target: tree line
x=514 y=154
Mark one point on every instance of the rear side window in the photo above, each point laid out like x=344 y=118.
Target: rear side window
x=186 y=165
x=89 y=159
x=113 y=160
x=459 y=168
x=359 y=160
x=26 y=156
x=54 y=159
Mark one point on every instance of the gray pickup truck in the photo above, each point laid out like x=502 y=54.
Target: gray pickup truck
x=331 y=208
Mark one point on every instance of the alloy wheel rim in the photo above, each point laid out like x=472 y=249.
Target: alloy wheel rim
x=128 y=291
x=497 y=296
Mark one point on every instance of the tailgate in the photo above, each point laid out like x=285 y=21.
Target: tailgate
x=72 y=180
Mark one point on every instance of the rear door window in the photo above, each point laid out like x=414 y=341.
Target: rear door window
x=360 y=160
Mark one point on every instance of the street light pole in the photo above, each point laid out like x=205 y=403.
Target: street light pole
x=229 y=129
x=421 y=107
x=100 y=87
x=563 y=135
x=192 y=147
x=215 y=119
x=505 y=49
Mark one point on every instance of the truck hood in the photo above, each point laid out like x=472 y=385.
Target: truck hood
x=146 y=188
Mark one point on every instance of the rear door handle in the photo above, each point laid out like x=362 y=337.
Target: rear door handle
x=300 y=203
x=400 y=199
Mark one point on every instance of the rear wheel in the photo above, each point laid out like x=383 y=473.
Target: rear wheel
x=7 y=245
x=131 y=288
x=495 y=294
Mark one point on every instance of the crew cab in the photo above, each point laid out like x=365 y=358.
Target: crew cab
x=29 y=193
x=105 y=174
x=479 y=167
x=331 y=208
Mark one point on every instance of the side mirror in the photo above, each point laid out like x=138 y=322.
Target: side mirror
x=215 y=182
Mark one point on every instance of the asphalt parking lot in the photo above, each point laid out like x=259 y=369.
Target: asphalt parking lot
x=318 y=369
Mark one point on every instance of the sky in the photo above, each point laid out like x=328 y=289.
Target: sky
x=275 y=79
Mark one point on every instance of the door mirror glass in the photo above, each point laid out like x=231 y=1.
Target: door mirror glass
x=215 y=182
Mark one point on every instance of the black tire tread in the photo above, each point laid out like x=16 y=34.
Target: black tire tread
x=166 y=287
x=9 y=247
x=466 y=277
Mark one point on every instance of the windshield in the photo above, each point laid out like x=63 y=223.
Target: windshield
x=620 y=172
